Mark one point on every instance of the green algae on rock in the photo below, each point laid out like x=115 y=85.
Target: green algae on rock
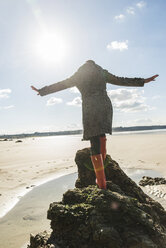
x=152 y=181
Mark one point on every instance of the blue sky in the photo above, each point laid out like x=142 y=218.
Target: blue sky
x=43 y=42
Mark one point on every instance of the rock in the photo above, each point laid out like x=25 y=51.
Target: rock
x=29 y=217
x=152 y=181
x=113 y=172
x=41 y=240
x=18 y=141
x=122 y=216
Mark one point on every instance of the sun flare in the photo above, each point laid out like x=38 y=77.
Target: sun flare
x=51 y=47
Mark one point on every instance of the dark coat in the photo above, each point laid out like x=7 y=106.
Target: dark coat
x=97 y=110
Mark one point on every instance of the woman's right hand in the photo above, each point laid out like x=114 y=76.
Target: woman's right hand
x=33 y=88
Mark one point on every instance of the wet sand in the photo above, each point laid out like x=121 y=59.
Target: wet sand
x=30 y=214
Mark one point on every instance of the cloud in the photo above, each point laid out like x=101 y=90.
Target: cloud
x=129 y=100
x=115 y=45
x=120 y=17
x=131 y=106
x=53 y=101
x=77 y=101
x=144 y=121
x=73 y=126
x=130 y=10
x=7 y=107
x=123 y=94
x=5 y=93
x=74 y=90
x=141 y=4
x=156 y=97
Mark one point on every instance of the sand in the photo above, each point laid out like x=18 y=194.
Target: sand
x=143 y=150
x=35 y=161
x=31 y=163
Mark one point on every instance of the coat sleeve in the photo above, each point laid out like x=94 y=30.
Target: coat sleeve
x=123 y=81
x=67 y=83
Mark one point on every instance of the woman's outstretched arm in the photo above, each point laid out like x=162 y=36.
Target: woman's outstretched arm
x=67 y=83
x=125 y=81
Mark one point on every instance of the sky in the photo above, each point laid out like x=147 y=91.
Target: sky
x=45 y=41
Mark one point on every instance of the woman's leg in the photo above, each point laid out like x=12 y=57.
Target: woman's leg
x=97 y=161
x=103 y=145
x=98 y=144
x=95 y=145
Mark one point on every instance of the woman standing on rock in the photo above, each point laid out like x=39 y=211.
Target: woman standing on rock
x=97 y=112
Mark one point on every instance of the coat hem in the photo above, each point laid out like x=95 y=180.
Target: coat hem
x=88 y=138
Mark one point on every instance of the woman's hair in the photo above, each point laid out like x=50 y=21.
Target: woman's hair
x=90 y=61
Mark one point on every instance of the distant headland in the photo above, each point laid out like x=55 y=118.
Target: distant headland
x=72 y=132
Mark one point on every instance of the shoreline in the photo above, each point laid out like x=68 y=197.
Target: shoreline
x=28 y=164
x=21 y=192
x=30 y=213
x=59 y=174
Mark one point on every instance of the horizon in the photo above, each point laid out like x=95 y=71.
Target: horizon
x=72 y=130
x=43 y=43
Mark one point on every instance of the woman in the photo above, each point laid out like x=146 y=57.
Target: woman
x=97 y=111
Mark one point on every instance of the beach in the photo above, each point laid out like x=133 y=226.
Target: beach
x=35 y=161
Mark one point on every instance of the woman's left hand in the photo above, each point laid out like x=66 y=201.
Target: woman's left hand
x=147 y=80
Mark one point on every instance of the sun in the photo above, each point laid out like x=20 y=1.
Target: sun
x=51 y=47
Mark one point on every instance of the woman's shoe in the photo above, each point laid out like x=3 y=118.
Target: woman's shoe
x=103 y=146
x=97 y=161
